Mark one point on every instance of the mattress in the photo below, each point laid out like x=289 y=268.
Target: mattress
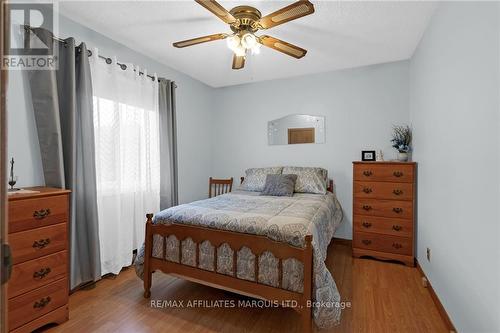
x=284 y=219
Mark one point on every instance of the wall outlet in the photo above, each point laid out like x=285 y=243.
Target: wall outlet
x=428 y=254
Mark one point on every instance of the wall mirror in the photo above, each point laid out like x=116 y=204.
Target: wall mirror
x=296 y=129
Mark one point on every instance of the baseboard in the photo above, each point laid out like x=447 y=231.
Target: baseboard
x=342 y=241
x=437 y=302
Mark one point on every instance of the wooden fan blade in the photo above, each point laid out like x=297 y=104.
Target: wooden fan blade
x=199 y=40
x=216 y=9
x=288 y=13
x=279 y=45
x=238 y=62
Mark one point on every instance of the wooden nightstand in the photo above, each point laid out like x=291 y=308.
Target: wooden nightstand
x=383 y=210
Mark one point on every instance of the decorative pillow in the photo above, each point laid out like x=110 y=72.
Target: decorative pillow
x=280 y=185
x=255 y=178
x=309 y=180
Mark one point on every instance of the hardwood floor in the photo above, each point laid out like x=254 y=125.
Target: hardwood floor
x=385 y=297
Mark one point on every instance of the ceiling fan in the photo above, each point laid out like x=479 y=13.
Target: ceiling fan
x=245 y=21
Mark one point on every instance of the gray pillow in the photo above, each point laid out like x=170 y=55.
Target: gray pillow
x=279 y=185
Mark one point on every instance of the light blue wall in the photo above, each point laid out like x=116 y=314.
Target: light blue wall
x=360 y=106
x=454 y=108
x=22 y=135
x=194 y=105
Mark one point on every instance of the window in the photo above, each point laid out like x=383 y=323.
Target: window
x=126 y=131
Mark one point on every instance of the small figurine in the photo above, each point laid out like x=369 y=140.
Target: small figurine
x=380 y=155
x=12 y=179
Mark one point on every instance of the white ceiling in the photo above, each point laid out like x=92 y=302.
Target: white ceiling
x=338 y=35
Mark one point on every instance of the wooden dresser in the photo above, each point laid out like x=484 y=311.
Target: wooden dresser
x=38 y=236
x=383 y=210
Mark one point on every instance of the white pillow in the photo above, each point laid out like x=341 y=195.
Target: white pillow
x=255 y=178
x=309 y=180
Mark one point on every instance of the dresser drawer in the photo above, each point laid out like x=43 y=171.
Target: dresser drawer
x=34 y=213
x=383 y=225
x=384 y=172
x=383 y=243
x=36 y=273
x=383 y=190
x=29 y=306
x=384 y=208
x=31 y=244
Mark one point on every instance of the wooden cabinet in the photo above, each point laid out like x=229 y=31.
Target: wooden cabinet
x=38 y=236
x=384 y=210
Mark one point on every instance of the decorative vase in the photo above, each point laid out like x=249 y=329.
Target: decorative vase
x=402 y=156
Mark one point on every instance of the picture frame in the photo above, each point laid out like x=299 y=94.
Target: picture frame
x=368 y=155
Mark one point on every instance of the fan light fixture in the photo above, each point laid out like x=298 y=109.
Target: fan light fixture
x=245 y=21
x=240 y=45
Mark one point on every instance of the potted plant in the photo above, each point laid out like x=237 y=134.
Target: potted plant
x=401 y=140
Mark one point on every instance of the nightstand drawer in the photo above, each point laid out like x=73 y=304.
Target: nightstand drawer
x=383 y=243
x=383 y=190
x=383 y=225
x=40 y=212
x=383 y=208
x=384 y=172
x=36 y=273
x=31 y=244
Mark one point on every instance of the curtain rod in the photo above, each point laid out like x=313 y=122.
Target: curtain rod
x=109 y=61
x=89 y=52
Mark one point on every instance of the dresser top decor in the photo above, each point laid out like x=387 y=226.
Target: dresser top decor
x=384 y=162
x=36 y=192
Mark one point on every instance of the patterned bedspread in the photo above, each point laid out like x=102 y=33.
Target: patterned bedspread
x=285 y=219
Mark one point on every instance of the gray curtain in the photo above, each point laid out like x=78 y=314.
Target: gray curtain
x=168 y=145
x=62 y=103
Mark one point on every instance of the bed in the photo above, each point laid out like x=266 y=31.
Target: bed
x=272 y=248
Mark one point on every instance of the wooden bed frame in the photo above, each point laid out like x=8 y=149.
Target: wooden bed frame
x=258 y=245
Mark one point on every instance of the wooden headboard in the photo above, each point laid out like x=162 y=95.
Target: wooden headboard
x=330 y=185
x=329 y=188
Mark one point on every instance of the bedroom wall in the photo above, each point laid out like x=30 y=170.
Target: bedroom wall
x=454 y=109
x=360 y=106
x=194 y=100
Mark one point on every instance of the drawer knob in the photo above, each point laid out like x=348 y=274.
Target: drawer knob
x=42 y=303
x=40 y=244
x=367 y=207
x=397 y=192
x=397 y=174
x=367 y=173
x=396 y=227
x=41 y=214
x=397 y=210
x=366 y=241
x=397 y=246
x=41 y=273
x=367 y=190
x=367 y=224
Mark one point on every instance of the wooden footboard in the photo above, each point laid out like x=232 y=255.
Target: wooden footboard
x=257 y=244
